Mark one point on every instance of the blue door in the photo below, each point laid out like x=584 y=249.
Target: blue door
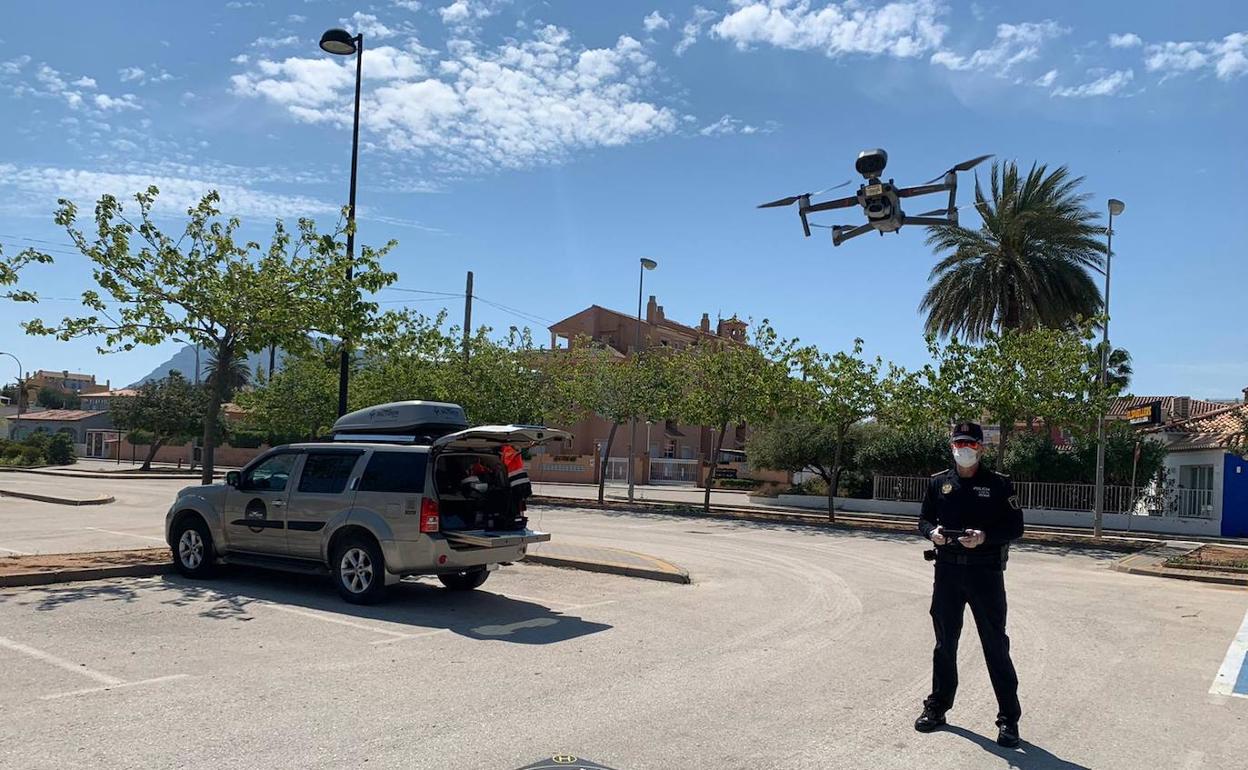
x=1235 y=497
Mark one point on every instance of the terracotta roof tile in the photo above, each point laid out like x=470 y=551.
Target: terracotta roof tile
x=59 y=415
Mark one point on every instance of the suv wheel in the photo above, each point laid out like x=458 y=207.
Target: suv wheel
x=464 y=581
x=359 y=571
x=192 y=548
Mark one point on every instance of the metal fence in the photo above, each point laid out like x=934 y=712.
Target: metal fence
x=617 y=470
x=1048 y=496
x=669 y=470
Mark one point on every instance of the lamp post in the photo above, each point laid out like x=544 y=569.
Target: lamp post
x=646 y=264
x=1116 y=207
x=339 y=42
x=21 y=386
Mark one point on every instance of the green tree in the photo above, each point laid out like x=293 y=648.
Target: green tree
x=1026 y=266
x=10 y=267
x=50 y=398
x=906 y=451
x=300 y=399
x=227 y=378
x=838 y=390
x=209 y=289
x=796 y=444
x=725 y=383
x=167 y=411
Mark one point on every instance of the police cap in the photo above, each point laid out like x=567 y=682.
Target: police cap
x=968 y=431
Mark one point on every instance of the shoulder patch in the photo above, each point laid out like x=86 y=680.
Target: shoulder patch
x=1002 y=475
x=938 y=474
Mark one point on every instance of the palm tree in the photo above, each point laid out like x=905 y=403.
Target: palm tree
x=1027 y=264
x=235 y=374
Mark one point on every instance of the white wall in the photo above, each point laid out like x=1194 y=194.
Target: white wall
x=1214 y=457
x=1168 y=525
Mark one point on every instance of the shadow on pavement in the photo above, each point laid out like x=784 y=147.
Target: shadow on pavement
x=410 y=607
x=1025 y=757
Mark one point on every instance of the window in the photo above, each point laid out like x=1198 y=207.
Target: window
x=669 y=449
x=326 y=473
x=402 y=472
x=271 y=474
x=1196 y=476
x=686 y=453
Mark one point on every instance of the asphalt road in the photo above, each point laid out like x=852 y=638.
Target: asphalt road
x=794 y=648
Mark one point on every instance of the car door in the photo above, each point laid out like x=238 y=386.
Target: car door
x=325 y=490
x=255 y=515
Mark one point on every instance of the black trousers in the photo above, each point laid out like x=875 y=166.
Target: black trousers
x=983 y=588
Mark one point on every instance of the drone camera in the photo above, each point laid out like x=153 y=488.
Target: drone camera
x=871 y=163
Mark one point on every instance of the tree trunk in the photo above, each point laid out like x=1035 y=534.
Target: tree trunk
x=710 y=474
x=606 y=461
x=151 y=452
x=216 y=395
x=836 y=478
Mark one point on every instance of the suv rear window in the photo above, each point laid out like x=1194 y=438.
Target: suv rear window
x=402 y=472
x=326 y=472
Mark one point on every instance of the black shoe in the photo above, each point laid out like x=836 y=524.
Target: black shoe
x=1007 y=736
x=930 y=719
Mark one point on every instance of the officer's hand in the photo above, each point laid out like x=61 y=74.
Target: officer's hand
x=938 y=538
x=972 y=538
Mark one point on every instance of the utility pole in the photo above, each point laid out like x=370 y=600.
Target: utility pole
x=1098 y=505
x=467 y=315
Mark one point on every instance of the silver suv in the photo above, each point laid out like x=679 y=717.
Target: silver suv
x=403 y=489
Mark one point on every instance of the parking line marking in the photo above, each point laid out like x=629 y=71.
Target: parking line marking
x=15 y=553
x=111 y=681
x=1232 y=678
x=412 y=636
x=329 y=619
x=89 y=690
x=126 y=534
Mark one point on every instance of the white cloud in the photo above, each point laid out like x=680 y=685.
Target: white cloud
x=265 y=41
x=467 y=13
x=369 y=25
x=296 y=18
x=903 y=28
x=1125 y=40
x=730 y=125
x=1105 y=85
x=41 y=186
x=1046 y=80
x=1227 y=57
x=655 y=21
x=1013 y=44
x=692 y=30
x=142 y=76
x=85 y=82
x=408 y=5
x=130 y=73
x=242 y=58
x=526 y=102
x=116 y=103
x=236 y=4
x=14 y=66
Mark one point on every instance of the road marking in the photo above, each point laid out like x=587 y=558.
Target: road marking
x=89 y=690
x=412 y=636
x=15 y=553
x=1232 y=678
x=126 y=534
x=105 y=679
x=329 y=619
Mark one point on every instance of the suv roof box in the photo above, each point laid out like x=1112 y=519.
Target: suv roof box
x=410 y=422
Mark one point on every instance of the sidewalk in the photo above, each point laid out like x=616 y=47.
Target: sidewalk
x=614 y=561
x=1152 y=562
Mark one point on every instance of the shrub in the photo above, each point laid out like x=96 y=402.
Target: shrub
x=903 y=452
x=60 y=450
x=246 y=439
x=31 y=456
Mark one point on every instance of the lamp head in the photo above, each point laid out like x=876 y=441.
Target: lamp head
x=338 y=42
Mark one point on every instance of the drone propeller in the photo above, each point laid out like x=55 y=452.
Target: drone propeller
x=789 y=201
x=965 y=165
x=933 y=212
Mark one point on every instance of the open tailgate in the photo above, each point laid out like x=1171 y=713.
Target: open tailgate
x=485 y=538
x=491 y=436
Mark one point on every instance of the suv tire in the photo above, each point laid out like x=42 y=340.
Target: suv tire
x=359 y=570
x=193 y=554
x=464 y=581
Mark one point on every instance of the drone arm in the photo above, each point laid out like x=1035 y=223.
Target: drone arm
x=839 y=203
x=927 y=189
x=929 y=221
x=842 y=234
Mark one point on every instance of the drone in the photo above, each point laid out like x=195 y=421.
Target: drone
x=881 y=201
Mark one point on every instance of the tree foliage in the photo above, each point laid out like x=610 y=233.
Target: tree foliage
x=10 y=269
x=166 y=411
x=208 y=288
x=1026 y=267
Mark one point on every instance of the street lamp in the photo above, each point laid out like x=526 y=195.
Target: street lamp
x=1116 y=207
x=21 y=386
x=339 y=42
x=646 y=264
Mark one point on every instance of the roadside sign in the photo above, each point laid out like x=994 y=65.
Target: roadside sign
x=1145 y=414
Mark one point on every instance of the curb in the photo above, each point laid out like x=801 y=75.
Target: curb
x=58 y=500
x=111 y=475
x=1154 y=569
x=78 y=575
x=672 y=574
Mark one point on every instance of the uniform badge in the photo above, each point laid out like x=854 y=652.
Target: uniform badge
x=946 y=488
x=1014 y=503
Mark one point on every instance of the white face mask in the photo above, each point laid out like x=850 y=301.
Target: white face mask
x=965 y=457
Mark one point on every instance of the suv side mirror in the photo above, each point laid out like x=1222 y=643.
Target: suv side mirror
x=233 y=478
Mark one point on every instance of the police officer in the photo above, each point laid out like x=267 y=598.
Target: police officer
x=970 y=570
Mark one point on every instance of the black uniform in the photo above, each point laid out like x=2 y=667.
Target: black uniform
x=974 y=576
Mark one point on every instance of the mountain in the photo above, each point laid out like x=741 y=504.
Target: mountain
x=184 y=362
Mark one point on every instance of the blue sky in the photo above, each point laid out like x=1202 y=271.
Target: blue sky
x=548 y=145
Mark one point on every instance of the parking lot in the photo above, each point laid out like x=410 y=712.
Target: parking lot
x=794 y=647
